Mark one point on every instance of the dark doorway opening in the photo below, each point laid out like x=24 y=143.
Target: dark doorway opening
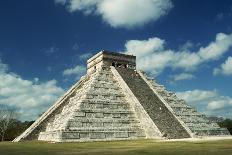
x=119 y=65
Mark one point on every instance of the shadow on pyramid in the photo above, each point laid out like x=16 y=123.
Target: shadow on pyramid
x=114 y=101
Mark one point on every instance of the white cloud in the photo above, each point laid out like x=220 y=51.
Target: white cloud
x=141 y=48
x=31 y=98
x=197 y=96
x=208 y=102
x=87 y=6
x=154 y=57
x=3 y=67
x=215 y=105
x=85 y=56
x=185 y=60
x=77 y=71
x=225 y=68
x=121 y=13
x=187 y=46
x=183 y=76
x=60 y=1
x=217 y=48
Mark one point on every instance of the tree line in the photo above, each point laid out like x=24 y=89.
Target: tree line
x=10 y=125
x=226 y=123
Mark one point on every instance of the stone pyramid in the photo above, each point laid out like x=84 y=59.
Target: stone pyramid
x=113 y=101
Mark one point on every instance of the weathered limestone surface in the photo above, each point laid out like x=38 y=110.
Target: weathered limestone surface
x=40 y=124
x=105 y=58
x=150 y=128
x=115 y=102
x=169 y=126
x=198 y=123
x=98 y=111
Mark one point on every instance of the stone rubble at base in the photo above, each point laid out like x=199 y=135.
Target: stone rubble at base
x=115 y=102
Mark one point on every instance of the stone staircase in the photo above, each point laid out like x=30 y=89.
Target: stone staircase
x=98 y=111
x=166 y=122
x=198 y=123
x=32 y=133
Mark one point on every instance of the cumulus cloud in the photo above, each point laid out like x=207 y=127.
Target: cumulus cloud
x=3 y=67
x=121 y=13
x=153 y=55
x=183 y=76
x=31 y=98
x=76 y=71
x=217 y=48
x=208 y=102
x=225 y=68
x=60 y=1
x=197 y=96
x=187 y=46
x=85 y=56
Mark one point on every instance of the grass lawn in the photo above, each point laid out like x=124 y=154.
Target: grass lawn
x=135 y=147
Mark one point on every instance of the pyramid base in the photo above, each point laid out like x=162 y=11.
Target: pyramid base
x=81 y=136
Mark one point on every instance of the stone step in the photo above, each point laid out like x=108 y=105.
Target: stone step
x=105 y=120
x=76 y=124
x=105 y=106
x=95 y=94
x=100 y=81
x=185 y=110
x=104 y=115
x=188 y=114
x=196 y=121
x=156 y=109
x=116 y=111
x=75 y=135
x=103 y=87
x=195 y=117
x=202 y=125
x=205 y=129
x=105 y=79
x=104 y=101
x=180 y=106
x=103 y=129
x=99 y=106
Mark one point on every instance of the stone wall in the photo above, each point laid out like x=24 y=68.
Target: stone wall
x=32 y=133
x=158 y=112
x=197 y=123
x=98 y=111
x=151 y=130
x=105 y=58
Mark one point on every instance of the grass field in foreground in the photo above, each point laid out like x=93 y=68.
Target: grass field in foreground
x=135 y=147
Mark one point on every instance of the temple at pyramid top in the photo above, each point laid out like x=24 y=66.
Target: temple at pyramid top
x=106 y=58
x=114 y=101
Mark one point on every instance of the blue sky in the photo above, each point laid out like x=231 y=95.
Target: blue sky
x=185 y=45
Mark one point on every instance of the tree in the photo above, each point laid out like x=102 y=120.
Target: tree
x=16 y=128
x=227 y=123
x=7 y=114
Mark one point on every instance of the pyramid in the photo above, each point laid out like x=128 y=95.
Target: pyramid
x=113 y=101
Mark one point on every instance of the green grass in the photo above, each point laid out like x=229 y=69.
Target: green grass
x=136 y=147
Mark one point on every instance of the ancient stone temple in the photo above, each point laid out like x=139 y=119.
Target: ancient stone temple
x=113 y=101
